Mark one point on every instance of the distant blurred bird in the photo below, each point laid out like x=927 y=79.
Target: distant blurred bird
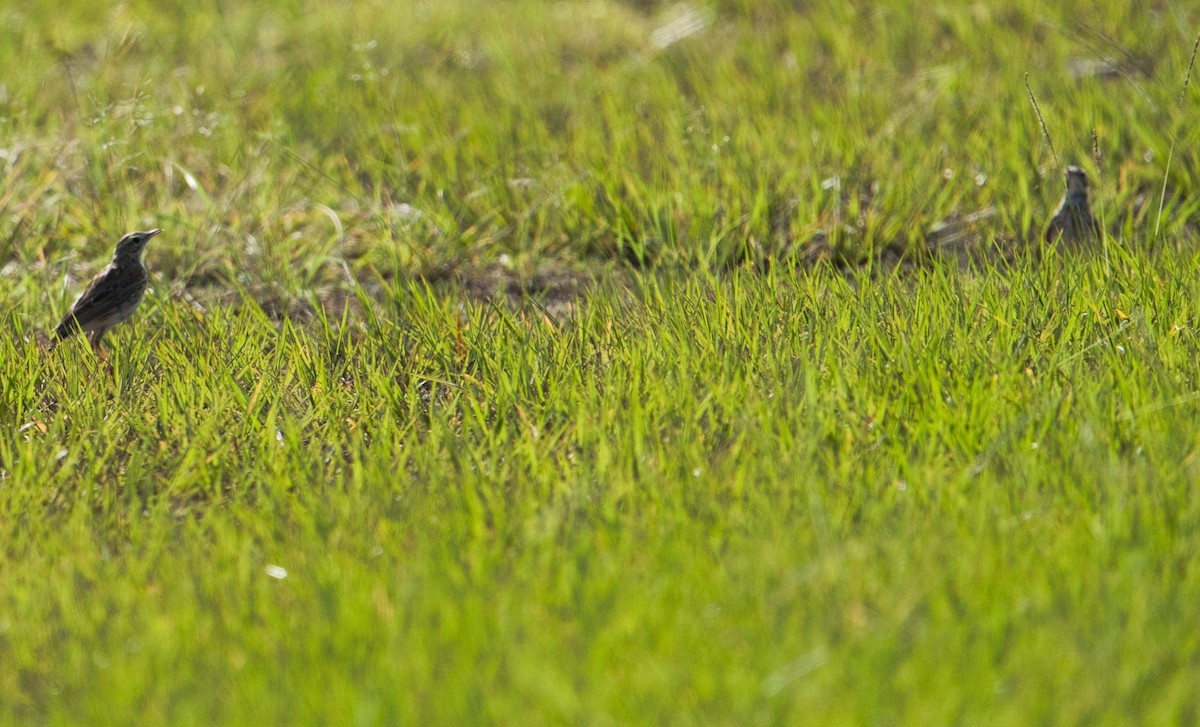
x=112 y=296
x=1073 y=222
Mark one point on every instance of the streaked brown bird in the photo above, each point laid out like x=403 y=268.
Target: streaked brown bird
x=112 y=296
x=1073 y=222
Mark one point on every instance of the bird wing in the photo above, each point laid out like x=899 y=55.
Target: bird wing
x=1054 y=228
x=100 y=299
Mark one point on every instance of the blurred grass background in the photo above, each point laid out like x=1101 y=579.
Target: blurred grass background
x=277 y=142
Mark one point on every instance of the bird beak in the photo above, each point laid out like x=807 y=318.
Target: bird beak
x=152 y=233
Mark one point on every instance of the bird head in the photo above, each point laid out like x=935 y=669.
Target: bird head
x=1077 y=183
x=130 y=247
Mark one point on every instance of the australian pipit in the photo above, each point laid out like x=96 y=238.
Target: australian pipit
x=112 y=296
x=1073 y=223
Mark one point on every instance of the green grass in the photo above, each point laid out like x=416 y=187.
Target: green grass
x=318 y=482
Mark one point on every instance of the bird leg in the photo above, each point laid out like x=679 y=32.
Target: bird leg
x=94 y=339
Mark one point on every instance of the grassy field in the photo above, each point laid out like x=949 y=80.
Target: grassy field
x=601 y=362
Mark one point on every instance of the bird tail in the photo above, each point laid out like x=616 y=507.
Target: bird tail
x=65 y=330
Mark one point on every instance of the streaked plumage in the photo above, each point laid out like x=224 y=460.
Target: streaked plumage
x=1073 y=222
x=113 y=295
